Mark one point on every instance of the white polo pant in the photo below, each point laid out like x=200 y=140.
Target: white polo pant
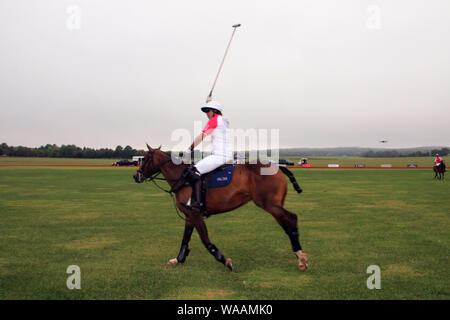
x=212 y=162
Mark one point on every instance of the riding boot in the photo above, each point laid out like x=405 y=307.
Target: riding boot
x=195 y=203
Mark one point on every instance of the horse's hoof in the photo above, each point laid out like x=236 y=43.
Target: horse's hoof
x=229 y=264
x=172 y=262
x=302 y=265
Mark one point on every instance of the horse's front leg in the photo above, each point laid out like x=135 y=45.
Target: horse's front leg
x=203 y=233
x=184 y=249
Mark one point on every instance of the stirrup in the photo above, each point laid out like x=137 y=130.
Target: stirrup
x=194 y=209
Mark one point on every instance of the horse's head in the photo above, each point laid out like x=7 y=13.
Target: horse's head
x=151 y=165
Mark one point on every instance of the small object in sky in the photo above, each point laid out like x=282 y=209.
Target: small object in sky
x=383 y=141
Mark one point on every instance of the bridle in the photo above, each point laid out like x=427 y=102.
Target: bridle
x=157 y=169
x=155 y=175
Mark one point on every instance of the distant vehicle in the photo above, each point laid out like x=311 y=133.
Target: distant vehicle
x=303 y=161
x=138 y=159
x=285 y=162
x=125 y=162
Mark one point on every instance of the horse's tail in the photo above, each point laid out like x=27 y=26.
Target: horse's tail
x=291 y=177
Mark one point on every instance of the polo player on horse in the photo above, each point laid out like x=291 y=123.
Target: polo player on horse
x=218 y=128
x=437 y=161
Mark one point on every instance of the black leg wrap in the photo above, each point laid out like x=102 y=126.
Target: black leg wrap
x=184 y=252
x=294 y=237
x=216 y=253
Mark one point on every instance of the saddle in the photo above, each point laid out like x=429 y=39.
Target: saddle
x=218 y=178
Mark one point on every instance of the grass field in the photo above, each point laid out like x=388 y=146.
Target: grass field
x=121 y=235
x=315 y=161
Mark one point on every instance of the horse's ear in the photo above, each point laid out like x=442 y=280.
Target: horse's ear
x=148 y=147
x=159 y=148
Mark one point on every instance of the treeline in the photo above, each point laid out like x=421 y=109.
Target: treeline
x=69 y=151
x=72 y=151
x=395 y=153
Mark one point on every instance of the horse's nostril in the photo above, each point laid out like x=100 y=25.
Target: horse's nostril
x=138 y=177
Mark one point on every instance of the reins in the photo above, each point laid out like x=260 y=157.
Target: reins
x=172 y=190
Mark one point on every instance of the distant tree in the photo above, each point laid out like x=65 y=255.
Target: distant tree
x=128 y=152
x=105 y=153
x=118 y=153
x=68 y=151
x=140 y=153
x=22 y=152
x=441 y=152
x=89 y=153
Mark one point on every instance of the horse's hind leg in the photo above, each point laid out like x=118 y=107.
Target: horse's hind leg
x=288 y=221
x=203 y=233
x=184 y=249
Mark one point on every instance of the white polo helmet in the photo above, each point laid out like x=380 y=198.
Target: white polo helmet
x=213 y=105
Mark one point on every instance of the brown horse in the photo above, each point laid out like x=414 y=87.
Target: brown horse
x=266 y=191
x=439 y=171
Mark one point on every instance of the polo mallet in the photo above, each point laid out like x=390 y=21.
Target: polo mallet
x=235 y=26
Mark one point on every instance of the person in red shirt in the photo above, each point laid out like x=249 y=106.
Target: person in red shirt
x=218 y=128
x=437 y=160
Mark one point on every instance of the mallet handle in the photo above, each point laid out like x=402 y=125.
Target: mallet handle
x=221 y=64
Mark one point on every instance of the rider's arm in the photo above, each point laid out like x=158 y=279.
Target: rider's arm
x=197 y=140
x=209 y=128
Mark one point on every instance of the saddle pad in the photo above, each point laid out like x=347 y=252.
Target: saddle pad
x=221 y=178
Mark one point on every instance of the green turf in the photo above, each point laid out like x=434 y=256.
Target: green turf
x=315 y=161
x=121 y=234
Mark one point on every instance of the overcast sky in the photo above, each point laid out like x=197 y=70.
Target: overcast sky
x=325 y=72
